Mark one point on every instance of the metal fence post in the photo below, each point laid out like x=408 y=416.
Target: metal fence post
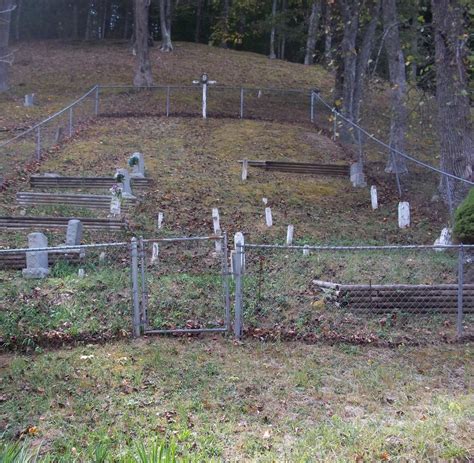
x=359 y=142
x=97 y=96
x=167 y=101
x=312 y=107
x=38 y=143
x=237 y=257
x=135 y=300
x=460 y=313
x=241 y=103
x=334 y=127
x=144 y=311
x=225 y=270
x=71 y=128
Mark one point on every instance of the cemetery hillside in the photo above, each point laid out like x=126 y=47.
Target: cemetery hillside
x=236 y=230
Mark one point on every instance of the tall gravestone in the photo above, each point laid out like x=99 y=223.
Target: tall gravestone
x=138 y=167
x=36 y=261
x=125 y=183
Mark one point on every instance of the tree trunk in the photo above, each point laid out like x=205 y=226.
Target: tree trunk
x=225 y=18
x=454 y=118
x=197 y=31
x=6 y=58
x=284 y=6
x=328 y=26
x=363 y=58
x=350 y=15
x=396 y=67
x=87 y=34
x=143 y=77
x=312 y=32
x=126 y=25
x=414 y=42
x=18 y=19
x=273 y=31
x=166 y=44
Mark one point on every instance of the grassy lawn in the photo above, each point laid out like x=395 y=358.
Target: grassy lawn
x=253 y=402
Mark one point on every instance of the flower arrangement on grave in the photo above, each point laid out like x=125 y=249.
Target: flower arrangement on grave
x=119 y=178
x=116 y=191
x=133 y=160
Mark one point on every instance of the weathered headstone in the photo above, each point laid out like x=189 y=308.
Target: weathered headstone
x=265 y=201
x=268 y=217
x=36 y=261
x=74 y=232
x=138 y=167
x=81 y=273
x=102 y=256
x=445 y=238
x=245 y=169
x=115 y=206
x=306 y=250
x=29 y=100
x=160 y=220
x=373 y=197
x=289 y=235
x=403 y=214
x=357 y=175
x=59 y=135
x=125 y=182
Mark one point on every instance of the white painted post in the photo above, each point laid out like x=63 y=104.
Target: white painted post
x=160 y=220
x=81 y=273
x=245 y=169
x=373 y=197
x=265 y=201
x=289 y=235
x=215 y=220
x=403 y=214
x=204 y=101
x=268 y=217
x=239 y=241
x=232 y=254
x=155 y=252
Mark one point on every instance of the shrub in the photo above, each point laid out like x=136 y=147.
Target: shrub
x=464 y=220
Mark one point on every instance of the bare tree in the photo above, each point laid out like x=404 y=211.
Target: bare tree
x=197 y=30
x=350 y=15
x=328 y=31
x=312 y=31
x=165 y=24
x=454 y=113
x=273 y=30
x=398 y=82
x=6 y=57
x=143 y=77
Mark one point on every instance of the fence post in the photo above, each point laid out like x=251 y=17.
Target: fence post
x=97 y=96
x=237 y=258
x=312 y=107
x=71 y=121
x=241 y=103
x=135 y=300
x=226 y=281
x=38 y=143
x=144 y=311
x=334 y=127
x=460 y=314
x=167 y=101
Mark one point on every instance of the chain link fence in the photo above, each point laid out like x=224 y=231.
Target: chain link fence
x=86 y=295
x=389 y=294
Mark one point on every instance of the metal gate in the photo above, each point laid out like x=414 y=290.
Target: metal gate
x=184 y=285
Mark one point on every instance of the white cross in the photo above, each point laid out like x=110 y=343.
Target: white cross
x=204 y=81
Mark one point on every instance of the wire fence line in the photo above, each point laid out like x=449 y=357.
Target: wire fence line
x=275 y=104
x=190 y=285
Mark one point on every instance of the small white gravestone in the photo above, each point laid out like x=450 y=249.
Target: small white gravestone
x=29 y=100
x=289 y=235
x=81 y=273
x=403 y=214
x=124 y=176
x=373 y=197
x=306 y=250
x=245 y=170
x=137 y=162
x=36 y=261
x=265 y=201
x=445 y=239
x=259 y=95
x=74 y=232
x=115 y=206
x=215 y=220
x=268 y=217
x=160 y=220
x=102 y=257
x=155 y=253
